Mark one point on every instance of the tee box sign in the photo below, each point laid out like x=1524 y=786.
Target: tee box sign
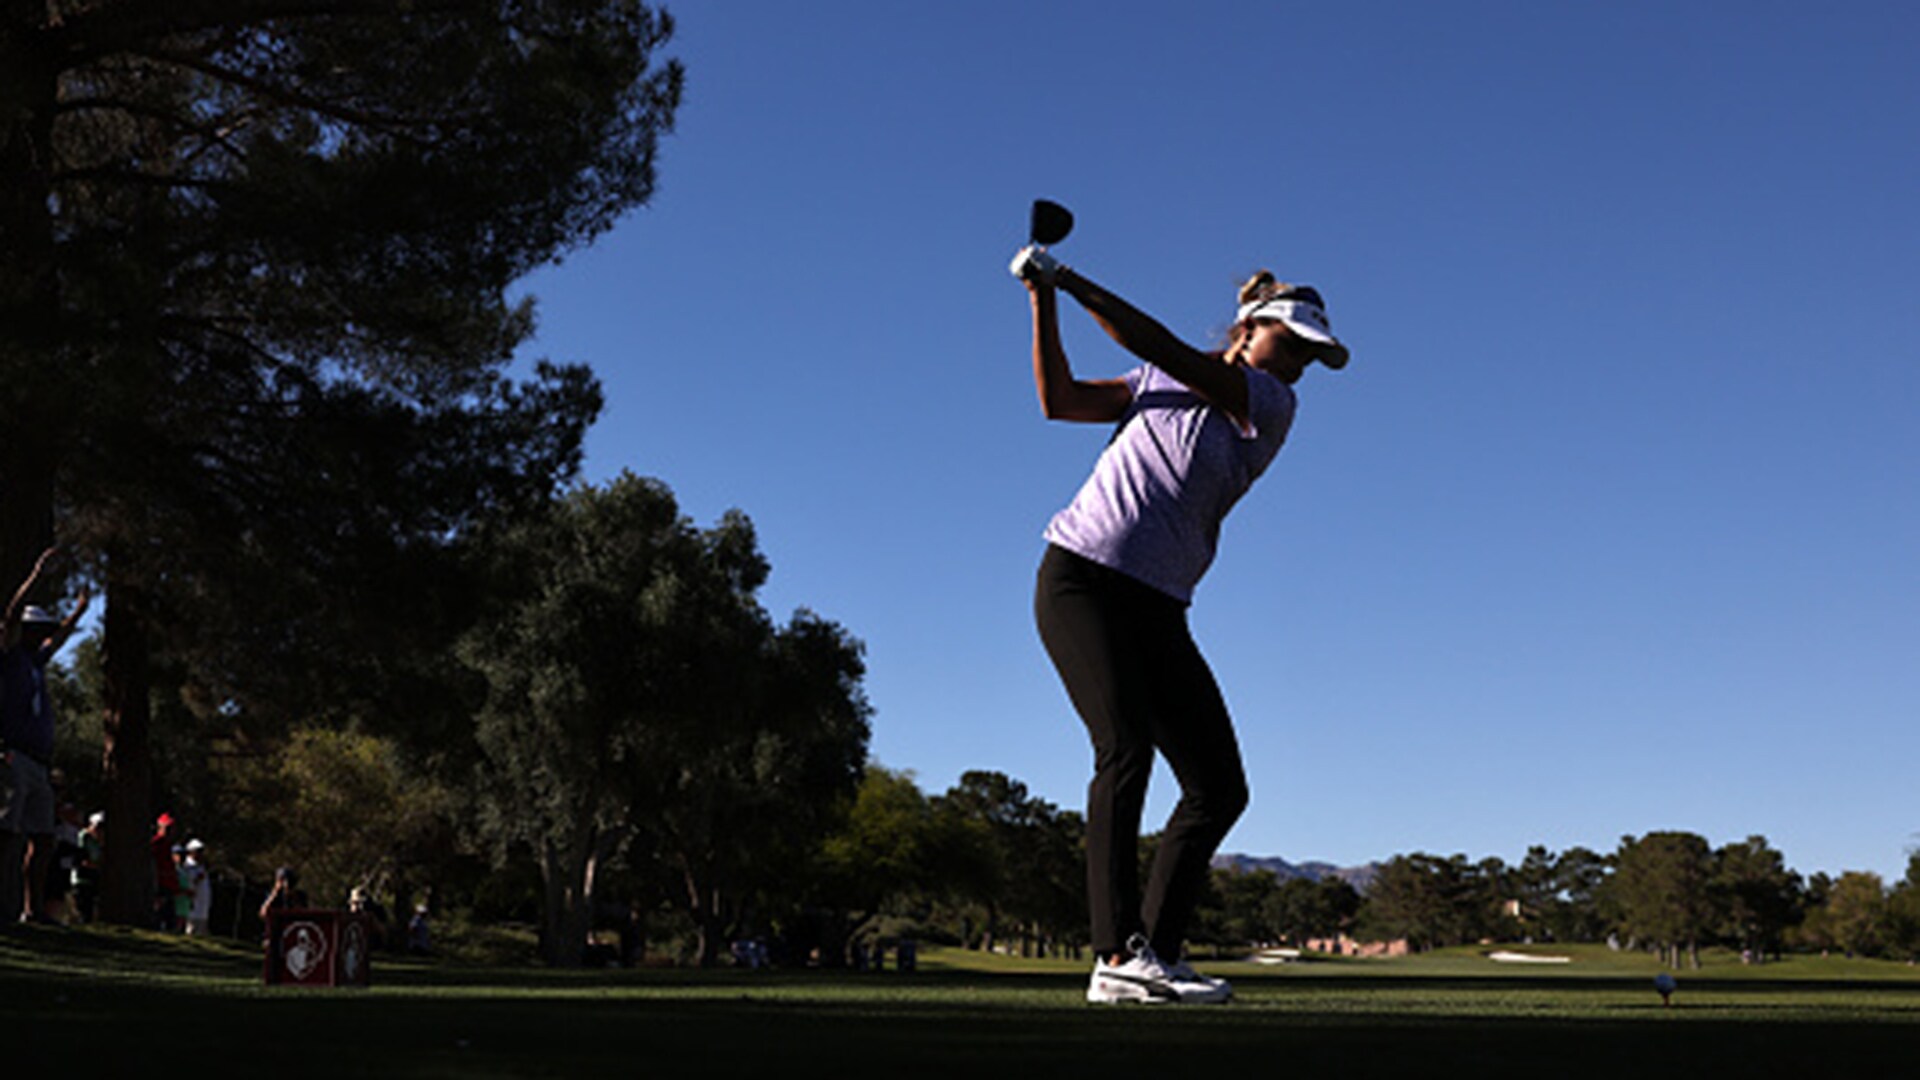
x=318 y=948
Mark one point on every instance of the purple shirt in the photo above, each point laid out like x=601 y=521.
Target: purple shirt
x=1152 y=508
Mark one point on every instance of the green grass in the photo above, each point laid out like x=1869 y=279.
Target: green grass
x=114 y=1003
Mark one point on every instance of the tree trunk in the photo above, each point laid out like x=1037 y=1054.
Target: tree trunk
x=126 y=761
x=709 y=923
x=569 y=902
x=32 y=422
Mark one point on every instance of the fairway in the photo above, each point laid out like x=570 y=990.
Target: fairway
x=111 y=1001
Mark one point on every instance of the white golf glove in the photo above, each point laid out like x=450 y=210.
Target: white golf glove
x=1032 y=263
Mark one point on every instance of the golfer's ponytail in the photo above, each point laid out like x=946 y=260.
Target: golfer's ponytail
x=1260 y=287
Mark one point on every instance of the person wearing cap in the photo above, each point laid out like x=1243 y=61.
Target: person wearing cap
x=361 y=902
x=32 y=636
x=420 y=932
x=93 y=855
x=166 y=872
x=196 y=886
x=183 y=876
x=286 y=894
x=67 y=852
x=1193 y=430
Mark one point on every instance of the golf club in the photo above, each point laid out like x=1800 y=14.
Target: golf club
x=1049 y=223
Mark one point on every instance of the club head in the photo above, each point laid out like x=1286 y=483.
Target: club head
x=1050 y=223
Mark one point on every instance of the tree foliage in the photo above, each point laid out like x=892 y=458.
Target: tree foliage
x=346 y=812
x=1903 y=913
x=1661 y=891
x=1022 y=865
x=889 y=843
x=1757 y=896
x=1853 y=916
x=891 y=851
x=1579 y=876
x=1301 y=909
x=1432 y=901
x=637 y=693
x=254 y=322
x=1257 y=907
x=782 y=747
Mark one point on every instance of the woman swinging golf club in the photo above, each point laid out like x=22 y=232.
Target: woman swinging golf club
x=1195 y=429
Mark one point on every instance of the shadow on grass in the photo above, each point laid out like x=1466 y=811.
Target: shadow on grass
x=515 y=1035
x=109 y=951
x=114 y=950
x=117 y=997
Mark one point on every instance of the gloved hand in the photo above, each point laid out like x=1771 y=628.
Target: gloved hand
x=1032 y=263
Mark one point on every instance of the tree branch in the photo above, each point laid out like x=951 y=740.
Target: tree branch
x=69 y=176
x=215 y=134
x=285 y=95
x=123 y=25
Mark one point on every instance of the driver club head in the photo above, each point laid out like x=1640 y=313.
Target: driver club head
x=1050 y=222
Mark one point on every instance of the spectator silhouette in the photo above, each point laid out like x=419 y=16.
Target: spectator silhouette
x=196 y=887
x=29 y=637
x=166 y=873
x=86 y=872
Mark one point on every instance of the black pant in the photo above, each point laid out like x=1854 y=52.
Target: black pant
x=1139 y=683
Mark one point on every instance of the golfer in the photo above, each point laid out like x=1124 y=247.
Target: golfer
x=1195 y=430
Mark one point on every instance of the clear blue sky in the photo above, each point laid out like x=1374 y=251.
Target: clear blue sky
x=1610 y=526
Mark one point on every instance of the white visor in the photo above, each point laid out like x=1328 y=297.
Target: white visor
x=1304 y=318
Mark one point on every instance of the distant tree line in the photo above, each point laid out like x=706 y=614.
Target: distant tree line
x=1668 y=892
x=703 y=778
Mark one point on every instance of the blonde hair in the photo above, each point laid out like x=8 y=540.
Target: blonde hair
x=1262 y=286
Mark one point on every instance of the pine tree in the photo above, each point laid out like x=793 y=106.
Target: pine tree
x=1661 y=888
x=255 y=334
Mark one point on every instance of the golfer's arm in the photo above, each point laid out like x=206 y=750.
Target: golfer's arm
x=1143 y=336
x=20 y=595
x=1063 y=397
x=72 y=621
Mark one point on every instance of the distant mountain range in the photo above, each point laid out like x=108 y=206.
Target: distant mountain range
x=1357 y=876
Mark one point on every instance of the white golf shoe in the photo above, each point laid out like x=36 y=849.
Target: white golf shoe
x=1142 y=977
x=1197 y=988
